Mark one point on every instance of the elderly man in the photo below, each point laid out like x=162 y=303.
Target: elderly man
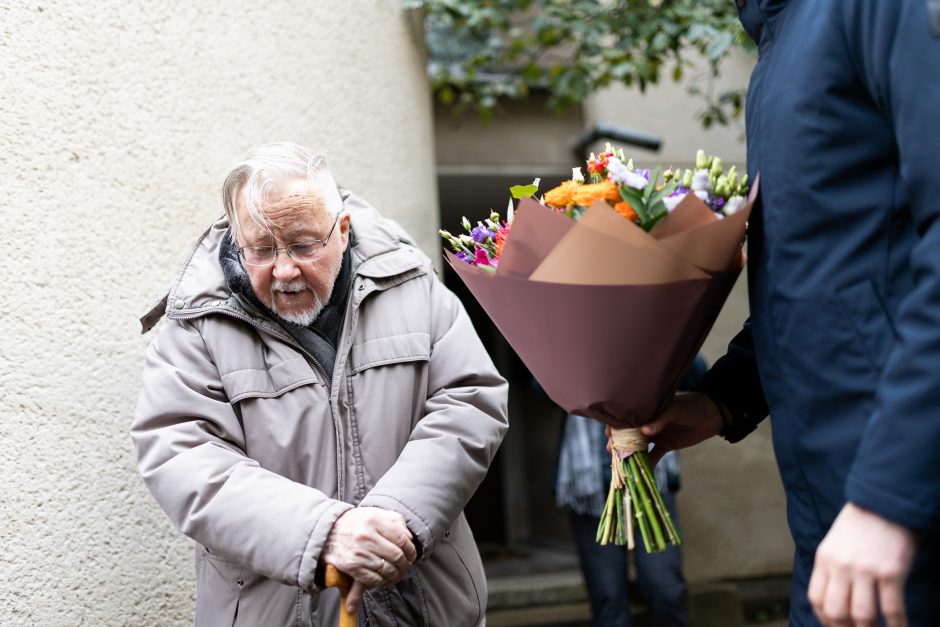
x=315 y=397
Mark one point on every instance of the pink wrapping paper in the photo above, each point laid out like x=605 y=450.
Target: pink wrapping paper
x=606 y=316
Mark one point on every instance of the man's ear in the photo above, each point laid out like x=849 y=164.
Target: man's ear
x=344 y=228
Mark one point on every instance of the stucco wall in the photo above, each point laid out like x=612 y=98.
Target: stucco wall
x=118 y=121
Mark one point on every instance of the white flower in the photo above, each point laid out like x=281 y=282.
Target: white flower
x=576 y=175
x=734 y=205
x=620 y=174
x=702 y=195
x=701 y=182
x=672 y=202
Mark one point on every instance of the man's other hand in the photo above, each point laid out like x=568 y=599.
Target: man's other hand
x=371 y=545
x=689 y=419
x=860 y=568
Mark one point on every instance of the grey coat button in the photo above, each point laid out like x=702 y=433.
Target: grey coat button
x=179 y=304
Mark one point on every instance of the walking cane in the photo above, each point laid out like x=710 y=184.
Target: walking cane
x=335 y=578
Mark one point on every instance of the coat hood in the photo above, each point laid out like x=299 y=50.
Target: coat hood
x=758 y=16
x=200 y=287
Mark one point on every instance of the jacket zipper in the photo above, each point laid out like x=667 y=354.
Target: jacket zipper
x=335 y=381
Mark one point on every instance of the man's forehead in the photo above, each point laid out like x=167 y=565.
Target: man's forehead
x=298 y=208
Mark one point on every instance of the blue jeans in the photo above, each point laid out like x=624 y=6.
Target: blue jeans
x=659 y=576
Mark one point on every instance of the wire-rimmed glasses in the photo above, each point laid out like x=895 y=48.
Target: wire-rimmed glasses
x=301 y=252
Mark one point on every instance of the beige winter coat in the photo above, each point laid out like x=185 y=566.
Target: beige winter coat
x=254 y=456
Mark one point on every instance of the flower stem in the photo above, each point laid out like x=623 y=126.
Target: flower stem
x=674 y=537
x=638 y=503
x=648 y=507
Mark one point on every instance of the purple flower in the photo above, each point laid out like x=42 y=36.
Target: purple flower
x=619 y=174
x=480 y=234
x=464 y=256
x=644 y=172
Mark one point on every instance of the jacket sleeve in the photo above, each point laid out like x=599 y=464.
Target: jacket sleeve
x=897 y=53
x=191 y=452
x=451 y=447
x=735 y=386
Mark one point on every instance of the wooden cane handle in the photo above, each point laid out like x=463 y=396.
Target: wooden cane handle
x=335 y=578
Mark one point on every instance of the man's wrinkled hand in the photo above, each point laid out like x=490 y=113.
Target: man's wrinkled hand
x=689 y=418
x=371 y=545
x=860 y=569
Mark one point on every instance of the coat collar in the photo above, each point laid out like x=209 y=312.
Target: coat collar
x=759 y=16
x=382 y=251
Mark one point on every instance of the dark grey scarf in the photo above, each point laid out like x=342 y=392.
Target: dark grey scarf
x=321 y=337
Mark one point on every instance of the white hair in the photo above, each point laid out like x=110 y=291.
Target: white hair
x=264 y=171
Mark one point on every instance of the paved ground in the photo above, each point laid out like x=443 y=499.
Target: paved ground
x=543 y=587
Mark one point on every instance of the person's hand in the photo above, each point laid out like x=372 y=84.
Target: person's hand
x=371 y=545
x=689 y=419
x=860 y=568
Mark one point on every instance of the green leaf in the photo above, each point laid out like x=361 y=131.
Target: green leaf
x=631 y=195
x=634 y=198
x=523 y=191
x=659 y=194
x=485 y=51
x=651 y=186
x=446 y=95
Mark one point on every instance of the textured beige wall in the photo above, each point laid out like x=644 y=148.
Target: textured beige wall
x=667 y=110
x=118 y=121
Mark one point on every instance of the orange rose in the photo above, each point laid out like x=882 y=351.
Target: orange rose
x=586 y=195
x=624 y=209
x=561 y=196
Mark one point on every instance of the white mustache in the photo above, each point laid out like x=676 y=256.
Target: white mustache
x=291 y=287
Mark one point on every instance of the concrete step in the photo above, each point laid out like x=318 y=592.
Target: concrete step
x=544 y=587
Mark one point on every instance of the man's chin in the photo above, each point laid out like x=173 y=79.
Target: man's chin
x=302 y=318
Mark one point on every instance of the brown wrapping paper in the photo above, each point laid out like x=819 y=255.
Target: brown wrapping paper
x=606 y=316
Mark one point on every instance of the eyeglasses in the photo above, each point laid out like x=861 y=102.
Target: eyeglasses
x=301 y=252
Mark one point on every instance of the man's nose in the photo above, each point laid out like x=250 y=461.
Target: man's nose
x=285 y=268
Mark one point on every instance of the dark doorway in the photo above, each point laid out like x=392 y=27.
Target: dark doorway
x=514 y=505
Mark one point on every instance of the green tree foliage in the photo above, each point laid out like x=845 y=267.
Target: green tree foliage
x=483 y=50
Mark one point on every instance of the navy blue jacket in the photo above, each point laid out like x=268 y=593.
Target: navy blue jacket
x=843 y=125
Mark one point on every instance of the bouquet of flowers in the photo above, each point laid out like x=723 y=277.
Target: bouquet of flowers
x=606 y=290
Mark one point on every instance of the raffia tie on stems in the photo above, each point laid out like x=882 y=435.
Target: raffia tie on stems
x=634 y=501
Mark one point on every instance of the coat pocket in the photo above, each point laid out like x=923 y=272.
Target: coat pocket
x=392 y=349
x=454 y=572
x=268 y=382
x=829 y=385
x=219 y=585
x=282 y=408
x=386 y=390
x=401 y=604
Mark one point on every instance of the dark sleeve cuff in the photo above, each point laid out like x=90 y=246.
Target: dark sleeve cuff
x=891 y=504
x=734 y=385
